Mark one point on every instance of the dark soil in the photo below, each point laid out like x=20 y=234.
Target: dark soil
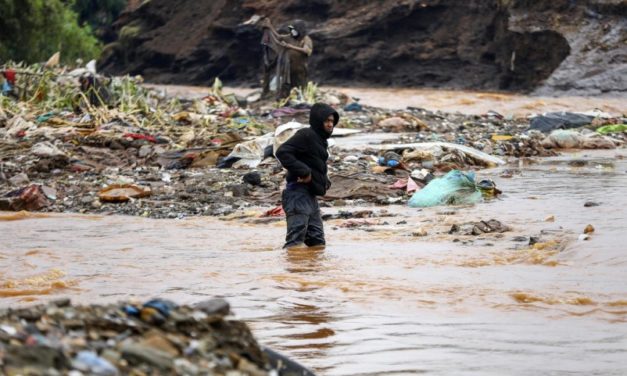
x=489 y=45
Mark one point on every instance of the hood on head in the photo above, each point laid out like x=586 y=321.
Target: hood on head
x=300 y=26
x=318 y=114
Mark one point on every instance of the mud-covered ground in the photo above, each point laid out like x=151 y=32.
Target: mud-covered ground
x=550 y=47
x=180 y=168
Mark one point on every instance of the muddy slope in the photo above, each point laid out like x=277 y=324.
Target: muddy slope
x=520 y=45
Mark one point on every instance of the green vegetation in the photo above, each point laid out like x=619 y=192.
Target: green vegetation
x=33 y=30
x=99 y=15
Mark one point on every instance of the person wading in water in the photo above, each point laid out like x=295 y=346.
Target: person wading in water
x=304 y=156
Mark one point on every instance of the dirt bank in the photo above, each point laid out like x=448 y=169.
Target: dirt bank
x=549 y=47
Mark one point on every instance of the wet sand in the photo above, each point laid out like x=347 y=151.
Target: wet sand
x=378 y=300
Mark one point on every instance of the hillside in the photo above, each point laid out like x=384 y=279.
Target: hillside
x=548 y=47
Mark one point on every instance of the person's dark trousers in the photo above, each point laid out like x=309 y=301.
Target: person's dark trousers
x=304 y=222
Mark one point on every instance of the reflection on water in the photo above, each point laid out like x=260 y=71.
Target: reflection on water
x=381 y=302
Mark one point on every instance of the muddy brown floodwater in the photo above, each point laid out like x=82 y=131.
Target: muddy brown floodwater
x=464 y=101
x=377 y=300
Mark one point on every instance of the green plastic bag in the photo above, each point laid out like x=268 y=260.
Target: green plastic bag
x=454 y=188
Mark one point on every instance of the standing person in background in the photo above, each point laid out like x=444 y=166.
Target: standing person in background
x=269 y=60
x=293 y=51
x=304 y=156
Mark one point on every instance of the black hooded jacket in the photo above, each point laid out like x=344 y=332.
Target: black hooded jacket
x=306 y=151
x=300 y=26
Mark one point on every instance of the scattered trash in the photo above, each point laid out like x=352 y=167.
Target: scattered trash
x=420 y=233
x=499 y=137
x=346 y=214
x=409 y=185
x=478 y=228
x=454 y=188
x=288 y=112
x=122 y=193
x=46 y=149
x=390 y=159
x=276 y=212
x=54 y=134
x=31 y=198
x=488 y=188
x=394 y=124
x=432 y=148
x=614 y=128
x=559 y=120
x=568 y=139
x=353 y=107
x=89 y=361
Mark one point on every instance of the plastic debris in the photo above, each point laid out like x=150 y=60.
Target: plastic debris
x=122 y=193
x=454 y=188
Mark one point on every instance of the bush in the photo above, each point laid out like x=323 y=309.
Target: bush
x=33 y=30
x=100 y=15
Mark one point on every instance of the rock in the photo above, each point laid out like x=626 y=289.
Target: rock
x=533 y=240
x=19 y=180
x=467 y=229
x=61 y=302
x=152 y=316
x=588 y=230
x=49 y=192
x=157 y=341
x=237 y=190
x=550 y=218
x=87 y=200
x=479 y=228
x=420 y=232
x=139 y=353
x=144 y=151
x=185 y=367
x=589 y=204
x=36 y=356
x=497 y=226
x=215 y=306
x=253 y=178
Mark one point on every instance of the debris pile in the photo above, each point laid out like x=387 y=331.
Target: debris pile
x=72 y=140
x=157 y=337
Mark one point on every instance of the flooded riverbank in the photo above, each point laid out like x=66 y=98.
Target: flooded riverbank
x=464 y=101
x=378 y=300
